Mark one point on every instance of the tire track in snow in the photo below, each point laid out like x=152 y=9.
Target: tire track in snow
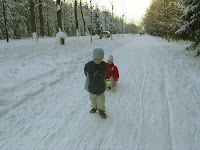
x=38 y=105
x=128 y=71
x=168 y=90
x=127 y=76
x=41 y=116
x=118 y=94
x=73 y=115
x=141 y=105
x=129 y=86
x=49 y=78
x=164 y=91
x=116 y=110
x=187 y=99
x=114 y=117
x=169 y=114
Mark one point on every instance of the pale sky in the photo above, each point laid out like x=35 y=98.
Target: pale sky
x=133 y=9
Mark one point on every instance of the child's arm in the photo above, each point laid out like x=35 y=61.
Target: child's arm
x=106 y=71
x=86 y=69
x=116 y=73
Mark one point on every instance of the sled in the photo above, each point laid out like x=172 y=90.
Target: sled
x=109 y=84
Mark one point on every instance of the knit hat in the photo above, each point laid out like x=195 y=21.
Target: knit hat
x=98 y=53
x=110 y=58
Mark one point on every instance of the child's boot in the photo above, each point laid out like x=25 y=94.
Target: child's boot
x=93 y=110
x=102 y=114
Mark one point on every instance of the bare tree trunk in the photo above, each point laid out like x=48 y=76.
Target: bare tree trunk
x=5 y=21
x=59 y=15
x=48 y=22
x=91 y=19
x=112 y=22
x=41 y=19
x=32 y=15
x=166 y=18
x=83 y=18
x=62 y=42
x=76 y=18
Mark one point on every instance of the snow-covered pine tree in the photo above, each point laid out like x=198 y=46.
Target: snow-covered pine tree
x=97 y=21
x=191 y=29
x=16 y=19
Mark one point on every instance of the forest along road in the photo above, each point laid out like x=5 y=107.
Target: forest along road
x=155 y=106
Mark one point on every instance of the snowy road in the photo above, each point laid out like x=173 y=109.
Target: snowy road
x=43 y=104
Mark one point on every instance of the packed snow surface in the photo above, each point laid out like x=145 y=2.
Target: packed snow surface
x=43 y=103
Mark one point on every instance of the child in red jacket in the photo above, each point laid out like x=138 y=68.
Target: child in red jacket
x=112 y=73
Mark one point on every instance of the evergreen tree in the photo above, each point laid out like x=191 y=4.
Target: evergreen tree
x=191 y=29
x=97 y=21
x=17 y=18
x=131 y=28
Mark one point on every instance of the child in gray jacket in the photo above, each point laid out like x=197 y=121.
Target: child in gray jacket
x=95 y=72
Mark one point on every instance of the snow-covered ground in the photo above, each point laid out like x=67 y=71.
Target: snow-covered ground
x=43 y=104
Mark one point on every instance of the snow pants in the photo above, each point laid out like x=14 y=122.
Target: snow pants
x=98 y=101
x=113 y=82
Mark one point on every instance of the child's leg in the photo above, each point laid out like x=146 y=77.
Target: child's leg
x=114 y=83
x=93 y=98
x=111 y=81
x=101 y=102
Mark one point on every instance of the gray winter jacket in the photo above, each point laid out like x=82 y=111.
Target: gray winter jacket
x=95 y=74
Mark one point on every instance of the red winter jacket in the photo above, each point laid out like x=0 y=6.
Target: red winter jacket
x=112 y=72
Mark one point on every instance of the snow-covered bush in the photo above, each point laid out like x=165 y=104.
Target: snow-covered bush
x=59 y=36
